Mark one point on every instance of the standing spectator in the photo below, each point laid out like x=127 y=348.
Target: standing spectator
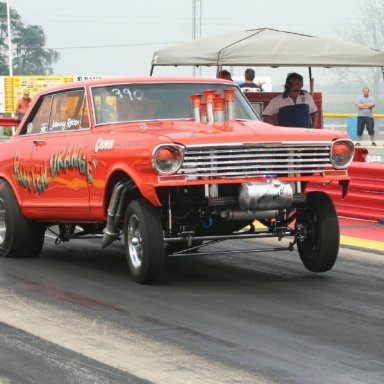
x=249 y=85
x=22 y=105
x=365 y=103
x=224 y=74
x=293 y=108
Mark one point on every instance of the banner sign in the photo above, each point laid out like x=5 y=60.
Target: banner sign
x=13 y=87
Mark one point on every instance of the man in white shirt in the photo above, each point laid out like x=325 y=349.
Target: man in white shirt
x=294 y=107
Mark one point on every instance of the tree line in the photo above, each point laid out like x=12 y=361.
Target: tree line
x=368 y=31
x=29 y=54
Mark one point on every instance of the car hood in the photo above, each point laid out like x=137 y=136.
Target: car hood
x=191 y=133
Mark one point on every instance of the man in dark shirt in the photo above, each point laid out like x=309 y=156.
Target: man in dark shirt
x=249 y=85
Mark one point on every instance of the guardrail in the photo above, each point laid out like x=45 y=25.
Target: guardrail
x=12 y=122
x=331 y=114
x=9 y=121
x=348 y=122
x=365 y=199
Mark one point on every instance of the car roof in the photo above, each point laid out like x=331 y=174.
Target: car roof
x=122 y=80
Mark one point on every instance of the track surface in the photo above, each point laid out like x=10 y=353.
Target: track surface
x=74 y=316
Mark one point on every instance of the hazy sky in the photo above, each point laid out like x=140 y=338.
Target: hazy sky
x=118 y=37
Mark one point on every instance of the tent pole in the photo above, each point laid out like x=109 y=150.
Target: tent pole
x=311 y=80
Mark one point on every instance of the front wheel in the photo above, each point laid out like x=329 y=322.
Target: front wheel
x=19 y=237
x=144 y=241
x=319 y=222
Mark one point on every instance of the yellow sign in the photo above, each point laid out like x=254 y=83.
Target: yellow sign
x=14 y=87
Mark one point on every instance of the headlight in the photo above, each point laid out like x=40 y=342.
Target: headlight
x=342 y=152
x=167 y=158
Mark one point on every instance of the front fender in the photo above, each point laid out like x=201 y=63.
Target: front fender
x=142 y=179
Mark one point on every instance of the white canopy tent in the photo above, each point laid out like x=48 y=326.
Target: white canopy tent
x=268 y=47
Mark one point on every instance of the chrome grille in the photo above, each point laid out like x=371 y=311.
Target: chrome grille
x=248 y=160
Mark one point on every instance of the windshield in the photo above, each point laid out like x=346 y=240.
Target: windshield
x=157 y=101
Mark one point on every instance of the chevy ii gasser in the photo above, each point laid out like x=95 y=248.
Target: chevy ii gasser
x=170 y=165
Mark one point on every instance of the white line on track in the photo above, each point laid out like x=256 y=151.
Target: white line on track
x=147 y=358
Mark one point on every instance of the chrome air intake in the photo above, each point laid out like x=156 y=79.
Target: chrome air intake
x=265 y=196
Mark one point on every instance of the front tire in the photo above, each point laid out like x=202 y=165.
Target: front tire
x=19 y=237
x=144 y=241
x=319 y=250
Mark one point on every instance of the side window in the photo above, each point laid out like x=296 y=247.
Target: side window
x=39 y=122
x=67 y=111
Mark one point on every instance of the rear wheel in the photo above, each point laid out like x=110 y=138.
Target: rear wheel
x=144 y=241
x=19 y=237
x=320 y=224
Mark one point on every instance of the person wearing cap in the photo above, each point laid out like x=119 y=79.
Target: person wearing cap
x=22 y=105
x=294 y=107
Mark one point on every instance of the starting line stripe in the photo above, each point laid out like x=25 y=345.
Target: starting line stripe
x=349 y=240
x=362 y=243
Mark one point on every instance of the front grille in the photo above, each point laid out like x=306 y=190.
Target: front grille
x=249 y=160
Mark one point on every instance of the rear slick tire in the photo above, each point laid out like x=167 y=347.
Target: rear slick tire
x=319 y=250
x=19 y=237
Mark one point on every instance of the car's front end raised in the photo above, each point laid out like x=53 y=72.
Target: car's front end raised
x=171 y=165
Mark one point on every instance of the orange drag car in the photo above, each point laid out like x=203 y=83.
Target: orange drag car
x=170 y=165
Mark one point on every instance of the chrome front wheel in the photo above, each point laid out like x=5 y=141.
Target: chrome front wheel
x=135 y=248
x=144 y=241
